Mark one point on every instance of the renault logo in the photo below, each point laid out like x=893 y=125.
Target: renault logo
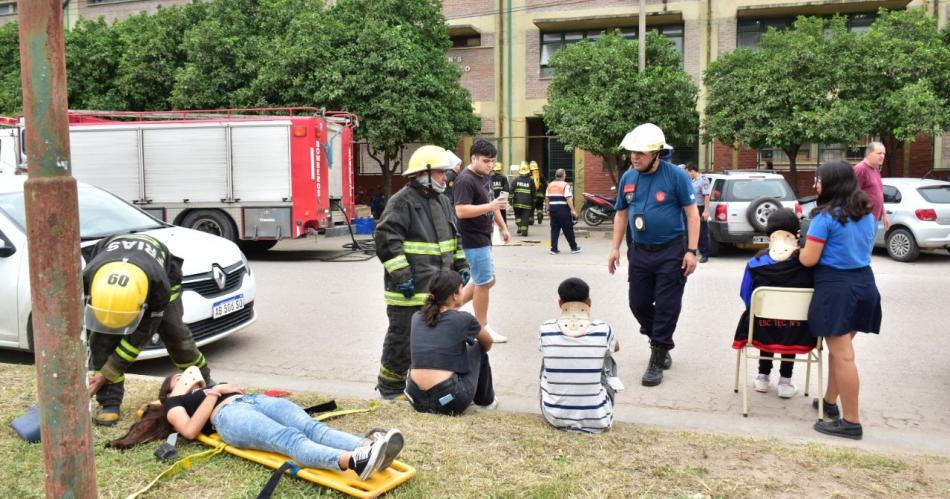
x=219 y=276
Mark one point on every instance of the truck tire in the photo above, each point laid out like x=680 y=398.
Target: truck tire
x=211 y=221
x=256 y=247
x=902 y=246
x=759 y=211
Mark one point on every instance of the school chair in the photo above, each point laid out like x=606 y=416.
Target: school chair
x=790 y=304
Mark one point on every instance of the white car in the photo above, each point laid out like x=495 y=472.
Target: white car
x=218 y=287
x=740 y=204
x=919 y=212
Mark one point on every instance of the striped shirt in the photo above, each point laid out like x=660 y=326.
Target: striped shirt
x=573 y=396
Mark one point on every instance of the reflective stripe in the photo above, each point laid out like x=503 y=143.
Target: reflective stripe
x=176 y=292
x=522 y=190
x=387 y=374
x=448 y=246
x=459 y=255
x=199 y=362
x=392 y=298
x=420 y=248
x=121 y=353
x=129 y=347
x=395 y=264
x=149 y=239
x=117 y=380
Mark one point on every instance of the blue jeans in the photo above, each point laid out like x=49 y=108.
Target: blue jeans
x=277 y=425
x=481 y=263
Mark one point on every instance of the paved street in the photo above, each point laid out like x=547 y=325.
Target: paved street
x=321 y=328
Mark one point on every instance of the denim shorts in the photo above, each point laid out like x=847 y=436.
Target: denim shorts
x=482 y=265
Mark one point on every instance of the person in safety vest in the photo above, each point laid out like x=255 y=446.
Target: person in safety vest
x=523 y=198
x=499 y=184
x=416 y=237
x=540 y=187
x=559 y=204
x=132 y=285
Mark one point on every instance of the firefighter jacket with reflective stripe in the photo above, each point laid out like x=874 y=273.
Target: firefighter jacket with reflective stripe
x=523 y=194
x=145 y=252
x=415 y=237
x=498 y=182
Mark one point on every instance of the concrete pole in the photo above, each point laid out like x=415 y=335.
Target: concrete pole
x=642 y=35
x=53 y=237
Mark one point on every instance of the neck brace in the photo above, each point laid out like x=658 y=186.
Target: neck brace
x=575 y=319
x=781 y=245
x=190 y=379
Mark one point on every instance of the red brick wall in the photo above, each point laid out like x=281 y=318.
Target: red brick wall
x=121 y=10
x=548 y=5
x=596 y=180
x=921 y=158
x=535 y=86
x=468 y=8
x=722 y=157
x=478 y=69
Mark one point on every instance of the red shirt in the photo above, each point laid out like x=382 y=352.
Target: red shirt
x=869 y=180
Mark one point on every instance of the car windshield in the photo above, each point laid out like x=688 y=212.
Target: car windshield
x=936 y=193
x=749 y=189
x=100 y=213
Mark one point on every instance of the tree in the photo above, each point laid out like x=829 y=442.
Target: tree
x=903 y=78
x=11 y=94
x=597 y=95
x=93 y=51
x=788 y=92
x=389 y=67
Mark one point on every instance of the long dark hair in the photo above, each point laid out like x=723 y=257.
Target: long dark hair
x=153 y=425
x=443 y=285
x=840 y=195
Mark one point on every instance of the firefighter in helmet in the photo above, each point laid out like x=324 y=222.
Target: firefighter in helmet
x=499 y=184
x=416 y=237
x=133 y=293
x=540 y=187
x=523 y=198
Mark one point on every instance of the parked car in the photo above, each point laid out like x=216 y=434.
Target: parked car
x=740 y=203
x=919 y=212
x=218 y=287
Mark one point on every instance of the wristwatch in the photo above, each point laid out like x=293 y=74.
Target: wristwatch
x=694 y=251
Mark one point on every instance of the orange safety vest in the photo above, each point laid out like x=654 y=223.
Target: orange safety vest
x=556 y=192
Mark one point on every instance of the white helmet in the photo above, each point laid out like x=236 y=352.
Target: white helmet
x=645 y=138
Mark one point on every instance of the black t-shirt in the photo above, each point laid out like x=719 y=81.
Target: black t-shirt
x=474 y=189
x=191 y=401
x=443 y=346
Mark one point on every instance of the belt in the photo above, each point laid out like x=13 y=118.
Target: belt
x=659 y=247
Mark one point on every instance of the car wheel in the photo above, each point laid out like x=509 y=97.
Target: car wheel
x=759 y=211
x=212 y=222
x=591 y=218
x=715 y=247
x=902 y=246
x=256 y=247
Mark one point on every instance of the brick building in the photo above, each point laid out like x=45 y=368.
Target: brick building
x=502 y=48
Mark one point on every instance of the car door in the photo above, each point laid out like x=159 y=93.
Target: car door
x=892 y=199
x=14 y=285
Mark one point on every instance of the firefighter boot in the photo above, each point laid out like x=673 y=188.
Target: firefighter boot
x=653 y=376
x=107 y=415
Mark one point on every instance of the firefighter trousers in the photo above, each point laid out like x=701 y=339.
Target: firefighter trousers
x=395 y=361
x=116 y=353
x=523 y=219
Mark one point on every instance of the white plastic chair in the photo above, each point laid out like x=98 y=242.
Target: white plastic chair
x=790 y=304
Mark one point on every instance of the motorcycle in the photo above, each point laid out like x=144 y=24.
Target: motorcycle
x=597 y=208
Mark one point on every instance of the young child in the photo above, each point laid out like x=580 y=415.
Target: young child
x=776 y=265
x=578 y=374
x=839 y=243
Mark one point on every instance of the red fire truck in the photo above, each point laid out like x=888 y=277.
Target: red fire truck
x=254 y=176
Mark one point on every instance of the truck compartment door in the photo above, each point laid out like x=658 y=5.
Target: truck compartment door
x=186 y=162
x=261 y=162
x=107 y=158
x=334 y=155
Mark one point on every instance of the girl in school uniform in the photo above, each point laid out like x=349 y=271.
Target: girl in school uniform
x=846 y=300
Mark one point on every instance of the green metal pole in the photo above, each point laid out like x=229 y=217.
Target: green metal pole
x=53 y=237
x=510 y=83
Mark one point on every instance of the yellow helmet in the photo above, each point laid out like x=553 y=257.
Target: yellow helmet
x=497 y=168
x=116 y=298
x=534 y=165
x=426 y=157
x=524 y=169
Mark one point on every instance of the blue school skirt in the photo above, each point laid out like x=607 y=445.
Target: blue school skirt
x=844 y=301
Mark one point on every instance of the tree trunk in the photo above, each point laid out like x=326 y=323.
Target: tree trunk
x=792 y=153
x=892 y=147
x=613 y=163
x=387 y=176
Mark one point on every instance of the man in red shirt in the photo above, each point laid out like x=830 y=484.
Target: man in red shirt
x=868 y=172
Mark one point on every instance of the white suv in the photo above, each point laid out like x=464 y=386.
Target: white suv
x=218 y=288
x=740 y=203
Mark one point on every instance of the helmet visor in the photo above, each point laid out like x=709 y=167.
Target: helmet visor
x=111 y=321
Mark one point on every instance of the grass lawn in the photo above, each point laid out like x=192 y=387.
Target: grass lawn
x=499 y=454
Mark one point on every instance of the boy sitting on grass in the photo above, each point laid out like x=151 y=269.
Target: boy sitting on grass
x=578 y=373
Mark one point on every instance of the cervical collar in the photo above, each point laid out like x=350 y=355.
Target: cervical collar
x=575 y=319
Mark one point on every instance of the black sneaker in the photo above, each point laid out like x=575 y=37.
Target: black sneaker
x=365 y=460
x=840 y=428
x=831 y=410
x=667 y=361
x=394 y=444
x=703 y=259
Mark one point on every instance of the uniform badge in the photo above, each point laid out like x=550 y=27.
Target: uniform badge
x=660 y=196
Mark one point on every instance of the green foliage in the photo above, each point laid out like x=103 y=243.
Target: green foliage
x=11 y=96
x=598 y=95
x=93 y=52
x=389 y=66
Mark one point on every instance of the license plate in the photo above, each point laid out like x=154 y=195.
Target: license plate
x=760 y=239
x=227 y=306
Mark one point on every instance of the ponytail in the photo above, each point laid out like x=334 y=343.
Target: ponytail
x=444 y=284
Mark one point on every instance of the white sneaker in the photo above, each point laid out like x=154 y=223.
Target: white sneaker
x=615 y=383
x=786 y=389
x=761 y=383
x=497 y=338
x=475 y=408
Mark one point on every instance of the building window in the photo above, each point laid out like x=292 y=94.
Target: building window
x=779 y=160
x=750 y=30
x=553 y=41
x=833 y=152
x=7 y=8
x=466 y=41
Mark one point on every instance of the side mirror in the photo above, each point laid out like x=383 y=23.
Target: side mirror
x=6 y=249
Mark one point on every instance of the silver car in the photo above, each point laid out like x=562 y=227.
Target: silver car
x=919 y=212
x=740 y=204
